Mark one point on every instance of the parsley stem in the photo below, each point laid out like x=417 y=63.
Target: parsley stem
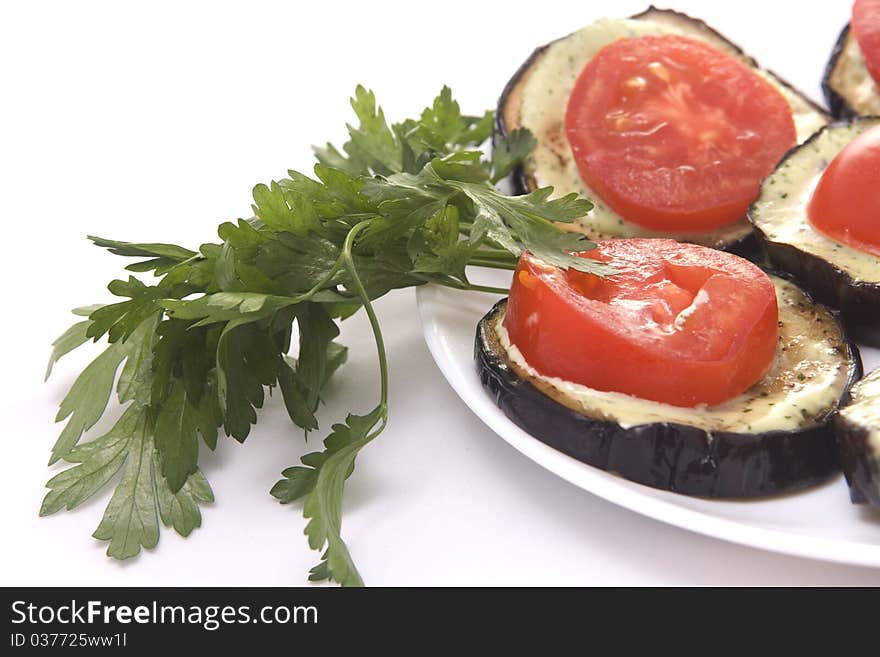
x=457 y=285
x=492 y=264
x=337 y=265
x=496 y=254
x=486 y=288
x=358 y=286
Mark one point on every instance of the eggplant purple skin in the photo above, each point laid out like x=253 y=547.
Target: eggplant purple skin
x=666 y=455
x=858 y=302
x=837 y=104
x=858 y=461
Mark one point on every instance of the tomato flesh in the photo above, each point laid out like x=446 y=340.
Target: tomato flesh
x=673 y=134
x=865 y=25
x=680 y=324
x=845 y=205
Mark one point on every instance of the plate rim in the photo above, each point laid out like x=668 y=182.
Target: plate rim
x=621 y=492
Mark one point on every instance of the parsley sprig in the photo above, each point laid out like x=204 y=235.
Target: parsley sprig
x=195 y=352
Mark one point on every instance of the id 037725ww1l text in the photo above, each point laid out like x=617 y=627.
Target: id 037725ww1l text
x=68 y=639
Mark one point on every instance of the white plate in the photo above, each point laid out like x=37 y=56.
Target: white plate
x=819 y=523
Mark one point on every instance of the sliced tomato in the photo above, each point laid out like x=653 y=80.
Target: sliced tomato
x=680 y=324
x=845 y=205
x=865 y=25
x=674 y=134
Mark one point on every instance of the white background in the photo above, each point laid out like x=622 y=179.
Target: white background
x=152 y=122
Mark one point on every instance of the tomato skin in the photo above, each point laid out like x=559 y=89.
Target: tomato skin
x=865 y=25
x=680 y=324
x=845 y=205
x=673 y=134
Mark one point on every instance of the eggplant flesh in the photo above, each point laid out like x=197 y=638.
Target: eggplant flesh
x=848 y=87
x=676 y=456
x=552 y=163
x=858 y=438
x=835 y=274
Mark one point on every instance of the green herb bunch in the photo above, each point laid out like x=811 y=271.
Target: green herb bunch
x=397 y=206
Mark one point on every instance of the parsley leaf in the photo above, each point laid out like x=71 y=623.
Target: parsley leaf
x=176 y=441
x=72 y=338
x=180 y=510
x=238 y=388
x=135 y=378
x=509 y=153
x=373 y=140
x=130 y=520
x=87 y=398
x=323 y=506
x=98 y=460
x=226 y=306
x=160 y=257
x=169 y=251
